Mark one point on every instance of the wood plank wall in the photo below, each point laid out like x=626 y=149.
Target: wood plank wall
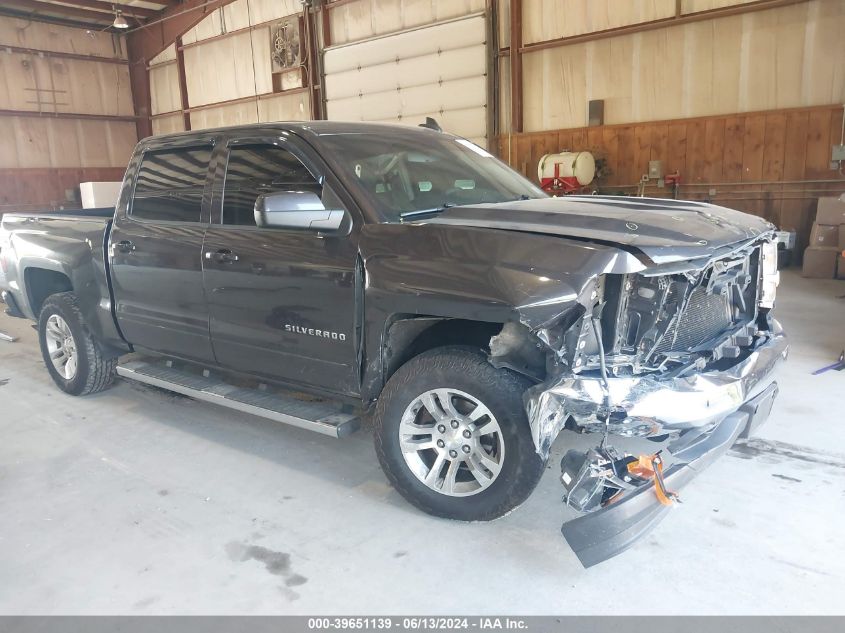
x=36 y=189
x=66 y=112
x=787 y=150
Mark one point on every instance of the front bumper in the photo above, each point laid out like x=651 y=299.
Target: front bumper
x=599 y=535
x=651 y=406
x=703 y=414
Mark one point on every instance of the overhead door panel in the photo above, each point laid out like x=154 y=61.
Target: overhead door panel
x=438 y=71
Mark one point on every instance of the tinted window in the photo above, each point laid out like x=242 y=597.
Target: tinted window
x=170 y=184
x=260 y=169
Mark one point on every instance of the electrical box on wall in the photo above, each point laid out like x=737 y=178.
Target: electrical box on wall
x=595 y=112
x=838 y=152
x=655 y=169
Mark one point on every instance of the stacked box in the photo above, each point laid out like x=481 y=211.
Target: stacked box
x=823 y=258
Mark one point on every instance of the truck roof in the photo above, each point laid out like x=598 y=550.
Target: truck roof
x=302 y=128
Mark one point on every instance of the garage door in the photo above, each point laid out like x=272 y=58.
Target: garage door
x=438 y=71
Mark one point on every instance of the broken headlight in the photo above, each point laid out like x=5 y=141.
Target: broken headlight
x=770 y=276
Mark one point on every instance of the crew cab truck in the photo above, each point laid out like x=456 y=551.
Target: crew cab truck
x=407 y=275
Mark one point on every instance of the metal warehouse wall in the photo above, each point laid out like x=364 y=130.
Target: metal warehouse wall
x=66 y=113
x=745 y=105
x=226 y=61
x=784 y=57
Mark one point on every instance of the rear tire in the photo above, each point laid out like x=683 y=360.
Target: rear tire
x=478 y=436
x=75 y=360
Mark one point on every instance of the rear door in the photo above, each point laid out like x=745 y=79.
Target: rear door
x=282 y=302
x=156 y=254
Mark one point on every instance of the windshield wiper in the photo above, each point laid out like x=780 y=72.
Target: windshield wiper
x=440 y=209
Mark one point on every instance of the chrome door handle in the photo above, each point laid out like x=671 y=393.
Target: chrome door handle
x=125 y=246
x=224 y=256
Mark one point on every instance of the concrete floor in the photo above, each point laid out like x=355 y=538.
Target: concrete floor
x=135 y=502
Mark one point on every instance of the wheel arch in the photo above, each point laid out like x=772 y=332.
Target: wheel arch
x=40 y=282
x=410 y=336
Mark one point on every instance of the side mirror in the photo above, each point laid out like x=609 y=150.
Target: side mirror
x=298 y=210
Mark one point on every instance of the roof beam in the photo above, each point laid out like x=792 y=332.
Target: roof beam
x=148 y=40
x=49 y=19
x=106 y=7
x=37 y=8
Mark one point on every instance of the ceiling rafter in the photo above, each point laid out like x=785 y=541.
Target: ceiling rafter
x=36 y=9
x=49 y=19
x=106 y=7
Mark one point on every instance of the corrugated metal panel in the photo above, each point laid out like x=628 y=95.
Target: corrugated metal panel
x=438 y=71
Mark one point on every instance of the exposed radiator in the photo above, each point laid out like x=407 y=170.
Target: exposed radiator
x=705 y=317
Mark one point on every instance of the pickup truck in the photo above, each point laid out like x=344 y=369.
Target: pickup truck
x=325 y=273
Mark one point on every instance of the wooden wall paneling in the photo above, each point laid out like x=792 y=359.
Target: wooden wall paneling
x=642 y=150
x=818 y=145
x=610 y=143
x=773 y=157
x=796 y=213
x=835 y=139
x=696 y=148
x=523 y=155
x=561 y=142
x=659 y=144
x=732 y=153
x=595 y=141
x=625 y=168
x=540 y=144
x=714 y=150
x=676 y=154
x=752 y=162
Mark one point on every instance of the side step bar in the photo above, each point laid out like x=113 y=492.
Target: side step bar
x=322 y=417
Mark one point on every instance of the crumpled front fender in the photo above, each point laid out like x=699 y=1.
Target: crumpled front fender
x=653 y=405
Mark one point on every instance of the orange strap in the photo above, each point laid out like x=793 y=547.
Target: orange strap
x=651 y=466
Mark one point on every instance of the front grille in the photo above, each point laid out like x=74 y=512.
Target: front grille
x=705 y=317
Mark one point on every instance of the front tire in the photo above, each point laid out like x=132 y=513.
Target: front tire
x=453 y=438
x=75 y=360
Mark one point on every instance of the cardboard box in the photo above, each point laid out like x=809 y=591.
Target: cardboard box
x=831 y=210
x=840 y=267
x=820 y=262
x=96 y=195
x=824 y=235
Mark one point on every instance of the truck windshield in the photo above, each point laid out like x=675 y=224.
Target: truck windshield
x=405 y=176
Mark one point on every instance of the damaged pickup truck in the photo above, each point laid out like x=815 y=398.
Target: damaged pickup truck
x=408 y=276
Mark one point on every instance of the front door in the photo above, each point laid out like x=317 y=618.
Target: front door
x=281 y=302
x=156 y=254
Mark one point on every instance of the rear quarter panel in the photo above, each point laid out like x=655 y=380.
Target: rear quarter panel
x=68 y=244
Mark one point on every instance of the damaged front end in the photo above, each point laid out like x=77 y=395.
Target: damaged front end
x=682 y=355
